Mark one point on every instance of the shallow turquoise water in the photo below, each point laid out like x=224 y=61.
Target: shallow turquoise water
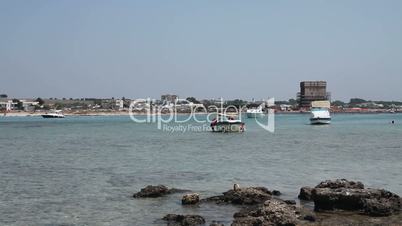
x=83 y=170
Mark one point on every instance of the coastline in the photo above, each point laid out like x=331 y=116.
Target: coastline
x=125 y=113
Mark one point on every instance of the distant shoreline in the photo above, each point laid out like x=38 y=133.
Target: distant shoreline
x=124 y=113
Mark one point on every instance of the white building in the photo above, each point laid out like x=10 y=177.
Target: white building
x=120 y=104
x=7 y=105
x=285 y=107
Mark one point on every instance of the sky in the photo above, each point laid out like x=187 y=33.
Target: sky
x=206 y=49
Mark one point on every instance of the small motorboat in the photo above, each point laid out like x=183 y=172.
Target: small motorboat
x=53 y=114
x=255 y=112
x=227 y=123
x=320 y=113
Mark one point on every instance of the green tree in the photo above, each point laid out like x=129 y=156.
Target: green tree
x=40 y=100
x=19 y=105
x=279 y=102
x=237 y=103
x=59 y=106
x=338 y=103
x=192 y=99
x=357 y=101
x=46 y=107
x=292 y=102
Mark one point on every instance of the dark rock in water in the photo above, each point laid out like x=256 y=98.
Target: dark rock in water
x=276 y=193
x=374 y=202
x=151 y=191
x=305 y=193
x=306 y=216
x=272 y=212
x=183 y=220
x=351 y=196
x=190 y=199
x=309 y=217
x=329 y=199
x=244 y=196
x=340 y=183
x=385 y=205
x=290 y=202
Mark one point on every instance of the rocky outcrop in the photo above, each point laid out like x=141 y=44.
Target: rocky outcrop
x=183 y=220
x=272 y=212
x=276 y=193
x=374 y=202
x=340 y=183
x=243 y=196
x=352 y=196
x=385 y=205
x=305 y=193
x=259 y=206
x=190 y=199
x=152 y=191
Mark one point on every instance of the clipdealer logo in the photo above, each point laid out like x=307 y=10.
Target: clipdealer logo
x=166 y=117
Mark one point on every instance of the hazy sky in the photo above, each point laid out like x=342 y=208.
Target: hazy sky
x=206 y=49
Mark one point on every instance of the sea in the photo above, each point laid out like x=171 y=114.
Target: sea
x=83 y=170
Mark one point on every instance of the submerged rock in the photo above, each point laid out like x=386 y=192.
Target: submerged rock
x=183 y=220
x=272 y=212
x=243 y=196
x=309 y=217
x=152 y=191
x=190 y=199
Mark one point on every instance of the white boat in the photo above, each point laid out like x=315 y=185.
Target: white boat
x=320 y=113
x=227 y=123
x=53 y=114
x=255 y=112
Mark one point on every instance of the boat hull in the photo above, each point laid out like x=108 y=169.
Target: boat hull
x=53 y=116
x=320 y=121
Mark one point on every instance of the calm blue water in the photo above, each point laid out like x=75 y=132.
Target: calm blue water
x=83 y=170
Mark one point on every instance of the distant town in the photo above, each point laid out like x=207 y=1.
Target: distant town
x=309 y=91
